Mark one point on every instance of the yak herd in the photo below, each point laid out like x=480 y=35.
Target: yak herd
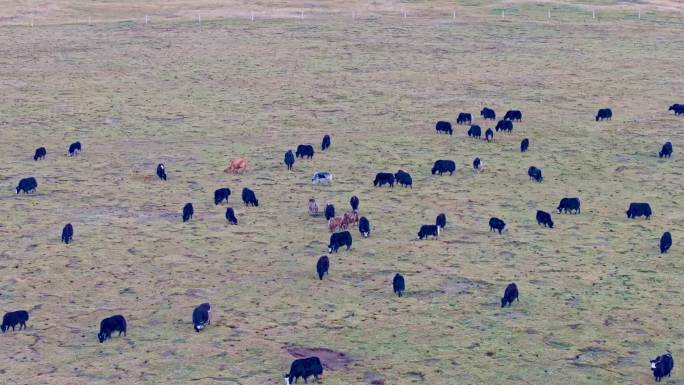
x=661 y=366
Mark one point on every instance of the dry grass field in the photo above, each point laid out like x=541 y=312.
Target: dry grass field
x=597 y=301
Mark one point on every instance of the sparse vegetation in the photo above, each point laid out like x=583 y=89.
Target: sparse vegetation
x=597 y=299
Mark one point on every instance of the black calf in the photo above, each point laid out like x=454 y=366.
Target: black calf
x=510 y=295
x=496 y=224
x=67 y=233
x=40 y=153
x=544 y=218
x=221 y=195
x=187 y=212
x=201 y=316
x=524 y=145
x=325 y=144
x=230 y=216
x=161 y=171
x=398 y=284
x=322 y=266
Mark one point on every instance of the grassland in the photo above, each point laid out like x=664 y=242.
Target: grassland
x=597 y=298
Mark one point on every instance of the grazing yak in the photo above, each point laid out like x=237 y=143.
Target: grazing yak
x=230 y=216
x=67 y=233
x=427 y=230
x=161 y=171
x=322 y=266
x=305 y=150
x=666 y=151
x=322 y=177
x=14 y=318
x=27 y=185
x=329 y=211
x=513 y=115
x=440 y=221
x=475 y=131
x=110 y=325
x=364 y=227
x=351 y=218
x=568 y=205
x=496 y=224
x=188 y=211
x=639 y=209
x=304 y=368
x=544 y=218
x=201 y=316
x=665 y=242
x=383 y=178
x=444 y=127
x=510 y=295
x=604 y=114
x=338 y=240
x=236 y=166
x=677 y=108
x=662 y=366
x=535 y=173
x=74 y=149
x=354 y=202
x=249 y=198
x=41 y=152
x=289 y=159
x=398 y=284
x=221 y=195
x=325 y=144
x=337 y=223
x=403 y=178
x=441 y=166
x=488 y=113
x=489 y=135
x=524 y=145
x=464 y=118
x=504 y=125
x=313 y=207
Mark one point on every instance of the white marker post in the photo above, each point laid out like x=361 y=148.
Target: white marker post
x=89 y=21
x=301 y=14
x=147 y=19
x=549 y=13
x=503 y=13
x=31 y=21
x=199 y=19
x=404 y=14
x=252 y=16
x=593 y=14
x=639 y=14
x=453 y=17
